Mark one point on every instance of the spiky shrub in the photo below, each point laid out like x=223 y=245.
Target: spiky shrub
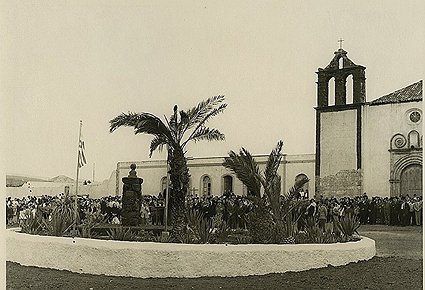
x=221 y=229
x=33 y=224
x=198 y=229
x=348 y=226
x=62 y=218
x=58 y=225
x=65 y=207
x=121 y=234
x=91 y=221
x=314 y=234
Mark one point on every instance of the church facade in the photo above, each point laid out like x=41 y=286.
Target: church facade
x=373 y=147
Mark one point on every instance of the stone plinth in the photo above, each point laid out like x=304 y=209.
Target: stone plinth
x=131 y=199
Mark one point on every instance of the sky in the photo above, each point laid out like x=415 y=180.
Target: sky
x=65 y=61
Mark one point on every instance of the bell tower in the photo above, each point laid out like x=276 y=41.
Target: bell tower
x=340 y=68
x=338 y=127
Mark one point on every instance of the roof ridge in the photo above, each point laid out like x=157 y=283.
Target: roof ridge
x=410 y=93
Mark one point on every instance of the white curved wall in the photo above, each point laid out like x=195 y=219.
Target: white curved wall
x=145 y=260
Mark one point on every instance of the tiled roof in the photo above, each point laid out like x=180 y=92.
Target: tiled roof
x=412 y=93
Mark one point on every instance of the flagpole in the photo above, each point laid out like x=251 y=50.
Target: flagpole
x=76 y=182
x=167 y=190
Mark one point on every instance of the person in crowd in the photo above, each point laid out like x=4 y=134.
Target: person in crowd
x=417 y=206
x=411 y=214
x=322 y=215
x=115 y=220
x=232 y=209
x=404 y=211
x=311 y=209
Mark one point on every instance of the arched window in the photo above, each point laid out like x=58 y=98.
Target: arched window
x=413 y=138
x=206 y=185
x=349 y=90
x=331 y=91
x=227 y=184
x=341 y=63
x=163 y=184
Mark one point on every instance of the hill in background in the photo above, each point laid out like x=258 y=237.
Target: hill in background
x=62 y=179
x=19 y=180
x=16 y=180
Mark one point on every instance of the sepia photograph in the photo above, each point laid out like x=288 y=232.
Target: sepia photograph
x=252 y=144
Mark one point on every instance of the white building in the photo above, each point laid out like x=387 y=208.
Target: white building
x=209 y=176
x=373 y=147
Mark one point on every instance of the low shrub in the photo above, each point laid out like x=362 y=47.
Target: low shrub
x=121 y=234
x=91 y=221
x=198 y=230
x=33 y=224
x=57 y=225
x=348 y=225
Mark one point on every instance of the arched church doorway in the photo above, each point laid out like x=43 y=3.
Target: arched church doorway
x=411 y=180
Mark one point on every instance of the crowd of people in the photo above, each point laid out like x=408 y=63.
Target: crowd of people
x=233 y=209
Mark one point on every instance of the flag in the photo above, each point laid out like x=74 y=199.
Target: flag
x=81 y=155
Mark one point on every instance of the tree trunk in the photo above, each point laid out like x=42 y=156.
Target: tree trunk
x=179 y=176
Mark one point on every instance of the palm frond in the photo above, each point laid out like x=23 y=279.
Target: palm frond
x=273 y=162
x=125 y=120
x=151 y=124
x=202 y=112
x=157 y=143
x=205 y=133
x=246 y=169
x=182 y=126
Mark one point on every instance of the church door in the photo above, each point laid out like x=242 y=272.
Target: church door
x=411 y=181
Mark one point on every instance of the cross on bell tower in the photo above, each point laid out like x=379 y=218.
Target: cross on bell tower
x=340 y=43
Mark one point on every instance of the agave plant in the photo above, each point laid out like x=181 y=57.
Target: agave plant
x=91 y=221
x=33 y=224
x=182 y=128
x=349 y=225
x=121 y=234
x=58 y=225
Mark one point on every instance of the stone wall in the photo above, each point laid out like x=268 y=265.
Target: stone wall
x=343 y=183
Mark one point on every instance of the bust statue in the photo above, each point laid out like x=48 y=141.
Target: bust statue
x=132 y=172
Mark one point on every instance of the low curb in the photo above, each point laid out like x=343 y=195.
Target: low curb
x=161 y=260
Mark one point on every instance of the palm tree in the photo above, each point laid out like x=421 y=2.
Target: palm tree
x=246 y=169
x=181 y=128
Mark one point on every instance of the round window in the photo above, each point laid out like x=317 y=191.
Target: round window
x=415 y=117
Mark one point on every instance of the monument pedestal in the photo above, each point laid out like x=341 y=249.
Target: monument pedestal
x=131 y=199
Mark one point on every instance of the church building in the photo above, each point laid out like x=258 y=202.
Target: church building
x=373 y=147
x=361 y=146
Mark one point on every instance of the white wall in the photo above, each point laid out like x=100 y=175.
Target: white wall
x=379 y=124
x=153 y=170
x=338 y=135
x=144 y=260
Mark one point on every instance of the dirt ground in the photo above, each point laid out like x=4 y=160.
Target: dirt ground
x=398 y=265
